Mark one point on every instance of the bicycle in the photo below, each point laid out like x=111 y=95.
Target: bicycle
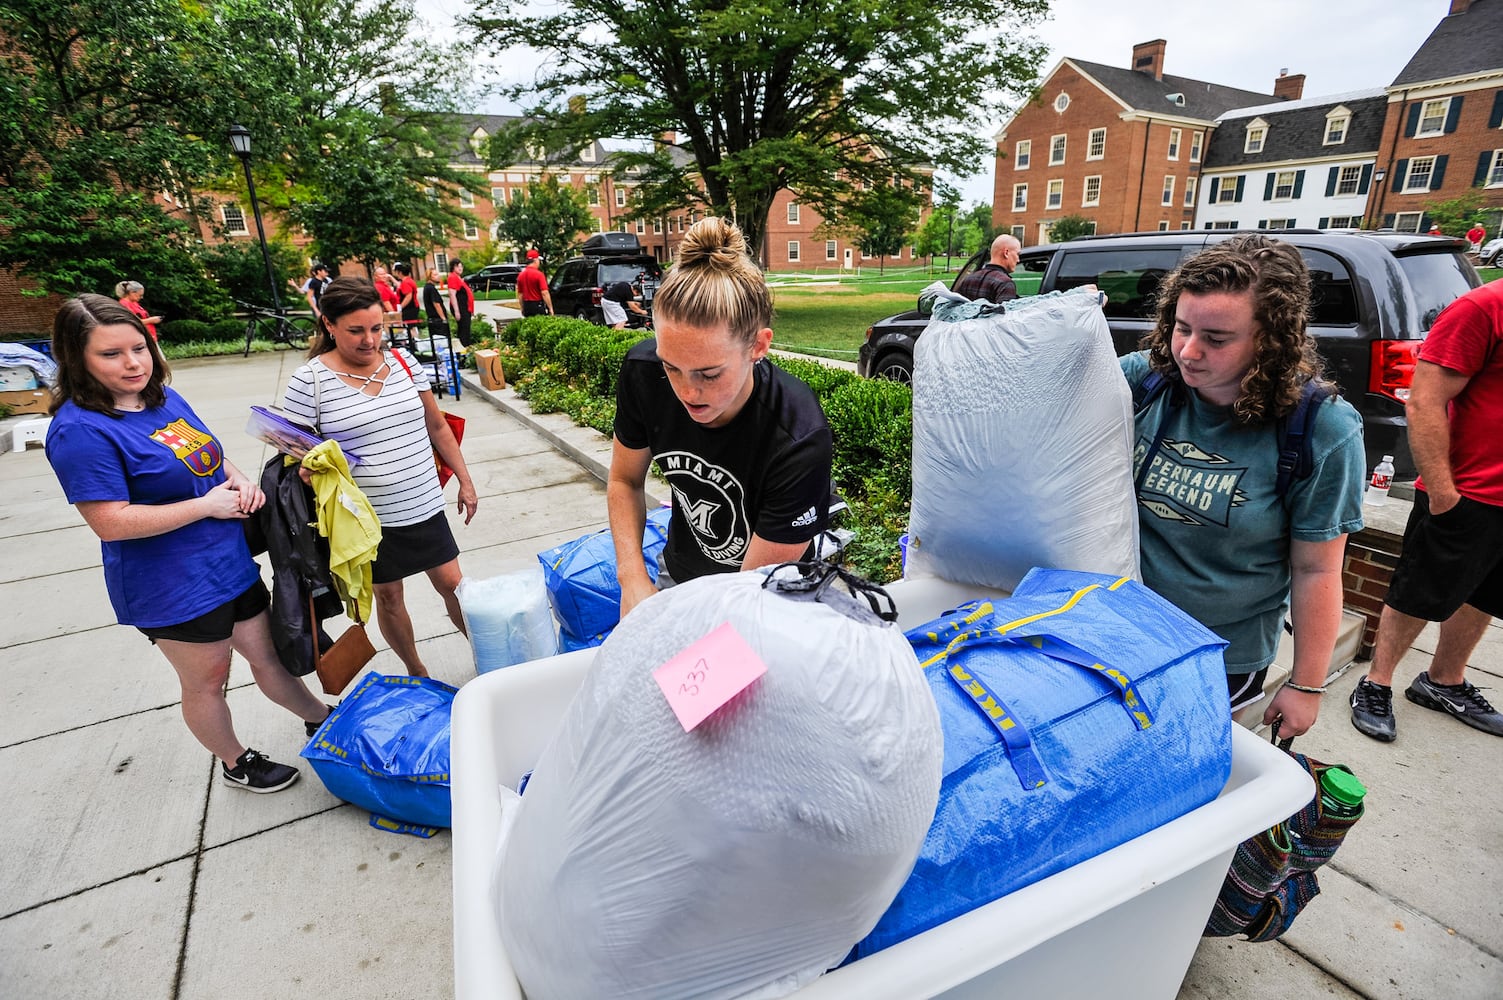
x=279 y=327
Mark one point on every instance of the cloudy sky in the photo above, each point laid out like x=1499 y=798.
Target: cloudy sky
x=1340 y=45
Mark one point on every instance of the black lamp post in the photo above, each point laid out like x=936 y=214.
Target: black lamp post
x=240 y=141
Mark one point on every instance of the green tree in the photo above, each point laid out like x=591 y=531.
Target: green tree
x=939 y=234
x=979 y=214
x=1457 y=215
x=548 y=216
x=880 y=219
x=1067 y=227
x=813 y=97
x=238 y=269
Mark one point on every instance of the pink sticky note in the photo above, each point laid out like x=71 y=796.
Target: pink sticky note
x=707 y=674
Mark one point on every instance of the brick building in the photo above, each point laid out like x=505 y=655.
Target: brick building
x=1121 y=147
x=1443 y=134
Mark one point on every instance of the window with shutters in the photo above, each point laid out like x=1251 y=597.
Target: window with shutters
x=1494 y=177
x=1344 y=222
x=1092 y=194
x=1174 y=139
x=1228 y=224
x=1279 y=224
x=1227 y=193
x=1283 y=185
x=1432 y=119
x=1421 y=169
x=1348 y=180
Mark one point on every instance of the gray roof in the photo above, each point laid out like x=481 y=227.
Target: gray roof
x=1298 y=132
x=465 y=155
x=1470 y=42
x=1142 y=92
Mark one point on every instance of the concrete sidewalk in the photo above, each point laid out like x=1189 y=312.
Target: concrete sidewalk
x=133 y=872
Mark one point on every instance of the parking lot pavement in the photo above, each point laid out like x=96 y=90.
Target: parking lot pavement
x=132 y=872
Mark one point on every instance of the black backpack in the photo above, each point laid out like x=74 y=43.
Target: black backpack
x=1294 y=430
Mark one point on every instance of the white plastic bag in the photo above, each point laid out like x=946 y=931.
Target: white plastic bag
x=745 y=857
x=508 y=618
x=1022 y=443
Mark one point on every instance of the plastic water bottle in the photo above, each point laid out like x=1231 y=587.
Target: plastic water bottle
x=1341 y=793
x=1377 y=487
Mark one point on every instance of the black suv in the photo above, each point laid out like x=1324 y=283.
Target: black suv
x=1374 y=297
x=605 y=259
x=495 y=276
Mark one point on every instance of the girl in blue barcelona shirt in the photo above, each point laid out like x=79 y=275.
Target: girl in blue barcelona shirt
x=153 y=483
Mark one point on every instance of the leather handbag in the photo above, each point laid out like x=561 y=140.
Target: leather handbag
x=456 y=427
x=338 y=665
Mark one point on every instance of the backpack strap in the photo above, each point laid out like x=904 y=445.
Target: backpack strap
x=1151 y=388
x=1294 y=432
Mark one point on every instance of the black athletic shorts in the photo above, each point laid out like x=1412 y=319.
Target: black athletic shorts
x=534 y=307
x=413 y=549
x=1449 y=560
x=1244 y=689
x=219 y=624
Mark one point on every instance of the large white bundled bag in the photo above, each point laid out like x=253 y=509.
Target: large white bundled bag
x=508 y=618
x=1022 y=442
x=743 y=858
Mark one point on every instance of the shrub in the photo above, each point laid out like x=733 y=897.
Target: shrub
x=184 y=331
x=871 y=422
x=227 y=329
x=823 y=379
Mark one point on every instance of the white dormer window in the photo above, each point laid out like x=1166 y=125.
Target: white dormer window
x=1062 y=102
x=477 y=141
x=1337 y=123
x=587 y=155
x=1257 y=132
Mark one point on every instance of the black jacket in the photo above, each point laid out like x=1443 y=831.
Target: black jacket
x=285 y=528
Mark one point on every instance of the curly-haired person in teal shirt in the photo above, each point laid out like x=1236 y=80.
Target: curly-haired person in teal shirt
x=1217 y=538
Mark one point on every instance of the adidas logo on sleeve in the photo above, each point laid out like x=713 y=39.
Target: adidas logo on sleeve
x=806 y=518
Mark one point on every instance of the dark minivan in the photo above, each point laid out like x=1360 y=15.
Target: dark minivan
x=1374 y=297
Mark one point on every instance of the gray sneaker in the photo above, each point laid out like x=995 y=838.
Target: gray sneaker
x=1463 y=701
x=1372 y=710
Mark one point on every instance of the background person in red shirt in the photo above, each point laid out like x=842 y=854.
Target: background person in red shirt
x=532 y=287
x=461 y=301
x=1475 y=236
x=130 y=295
x=386 y=287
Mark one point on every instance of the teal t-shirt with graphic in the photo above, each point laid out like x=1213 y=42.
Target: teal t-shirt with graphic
x=1213 y=531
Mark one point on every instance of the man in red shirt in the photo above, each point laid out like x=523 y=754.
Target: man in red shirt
x=461 y=301
x=1475 y=236
x=1451 y=569
x=532 y=287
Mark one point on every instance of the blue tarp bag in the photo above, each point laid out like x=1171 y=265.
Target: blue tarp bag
x=581 y=577
x=386 y=748
x=1081 y=712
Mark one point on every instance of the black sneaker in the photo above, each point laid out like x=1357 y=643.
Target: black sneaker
x=1463 y=701
x=312 y=727
x=257 y=773
x=1372 y=710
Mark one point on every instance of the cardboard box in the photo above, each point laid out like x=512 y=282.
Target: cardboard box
x=488 y=365
x=14 y=378
x=27 y=400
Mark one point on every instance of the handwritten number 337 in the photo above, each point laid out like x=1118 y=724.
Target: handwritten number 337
x=694 y=678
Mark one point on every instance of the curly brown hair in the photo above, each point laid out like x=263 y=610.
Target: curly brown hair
x=75 y=321
x=1285 y=357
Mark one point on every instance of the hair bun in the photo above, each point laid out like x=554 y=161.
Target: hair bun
x=713 y=241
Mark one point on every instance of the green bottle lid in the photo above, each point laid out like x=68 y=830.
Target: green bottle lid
x=1343 y=786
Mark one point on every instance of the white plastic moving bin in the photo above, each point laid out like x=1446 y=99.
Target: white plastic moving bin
x=1123 y=924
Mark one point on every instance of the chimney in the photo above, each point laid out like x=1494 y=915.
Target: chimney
x=666 y=138
x=1148 y=57
x=1289 y=88
x=577 y=104
x=1459 y=6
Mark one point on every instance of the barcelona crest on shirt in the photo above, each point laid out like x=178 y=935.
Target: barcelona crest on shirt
x=197 y=449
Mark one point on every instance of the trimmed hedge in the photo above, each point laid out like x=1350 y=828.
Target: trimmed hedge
x=567 y=365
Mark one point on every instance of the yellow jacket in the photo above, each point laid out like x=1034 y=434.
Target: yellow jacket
x=347 y=519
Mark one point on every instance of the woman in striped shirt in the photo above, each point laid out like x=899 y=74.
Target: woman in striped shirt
x=379 y=405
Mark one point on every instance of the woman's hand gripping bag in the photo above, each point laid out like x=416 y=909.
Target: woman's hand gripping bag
x=1022 y=443
x=1078 y=714
x=743 y=857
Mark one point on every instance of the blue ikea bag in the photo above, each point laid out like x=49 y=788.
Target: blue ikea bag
x=581 y=577
x=385 y=748
x=1081 y=712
